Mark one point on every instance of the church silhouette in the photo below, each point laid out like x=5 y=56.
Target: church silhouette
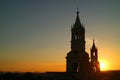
x=79 y=66
x=77 y=60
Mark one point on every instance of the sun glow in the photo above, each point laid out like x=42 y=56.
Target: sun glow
x=103 y=66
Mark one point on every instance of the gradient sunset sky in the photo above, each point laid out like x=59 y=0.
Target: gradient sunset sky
x=35 y=35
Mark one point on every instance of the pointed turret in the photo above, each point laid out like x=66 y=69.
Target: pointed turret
x=93 y=46
x=77 y=22
x=94 y=58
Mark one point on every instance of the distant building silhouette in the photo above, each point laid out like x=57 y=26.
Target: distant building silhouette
x=95 y=65
x=77 y=60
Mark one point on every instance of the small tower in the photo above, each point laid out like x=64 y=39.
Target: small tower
x=95 y=65
x=77 y=60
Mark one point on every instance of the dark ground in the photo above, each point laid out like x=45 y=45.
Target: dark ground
x=104 y=75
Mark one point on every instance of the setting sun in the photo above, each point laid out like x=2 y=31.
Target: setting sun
x=103 y=66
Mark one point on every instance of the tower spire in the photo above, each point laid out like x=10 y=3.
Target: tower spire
x=77 y=11
x=77 y=22
x=93 y=46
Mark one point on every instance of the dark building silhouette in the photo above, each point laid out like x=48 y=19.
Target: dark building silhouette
x=95 y=65
x=78 y=60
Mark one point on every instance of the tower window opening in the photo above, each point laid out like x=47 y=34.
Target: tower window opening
x=76 y=37
x=93 y=54
x=94 y=69
x=75 y=67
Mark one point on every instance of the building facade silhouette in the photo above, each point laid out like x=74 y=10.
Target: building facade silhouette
x=78 y=60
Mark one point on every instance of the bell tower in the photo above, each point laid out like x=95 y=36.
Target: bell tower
x=78 y=35
x=94 y=58
x=77 y=60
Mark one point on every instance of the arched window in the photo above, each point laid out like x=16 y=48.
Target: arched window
x=94 y=54
x=75 y=67
x=94 y=69
x=77 y=35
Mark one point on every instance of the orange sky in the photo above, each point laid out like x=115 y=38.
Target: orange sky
x=32 y=67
